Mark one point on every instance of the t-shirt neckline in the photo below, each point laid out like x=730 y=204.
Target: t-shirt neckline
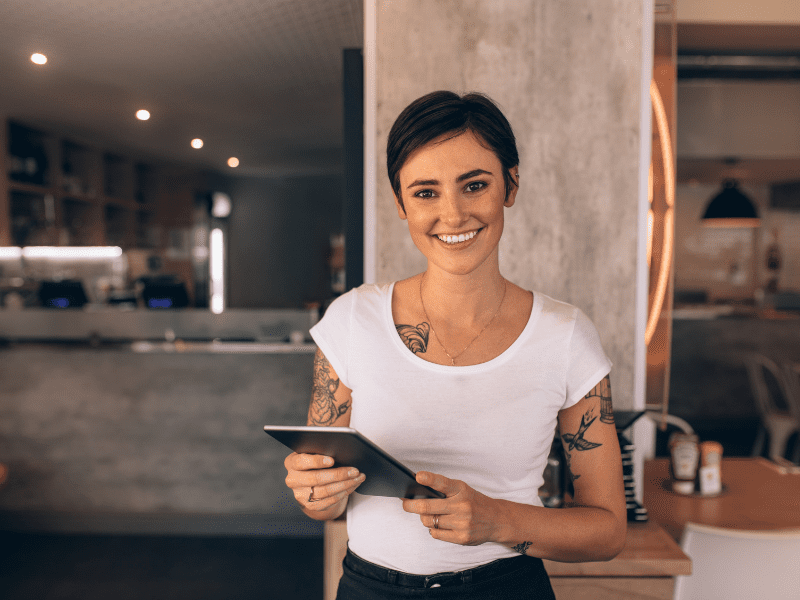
x=501 y=358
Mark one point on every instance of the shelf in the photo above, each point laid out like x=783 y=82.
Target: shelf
x=31 y=188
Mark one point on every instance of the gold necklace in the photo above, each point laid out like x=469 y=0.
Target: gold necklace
x=453 y=358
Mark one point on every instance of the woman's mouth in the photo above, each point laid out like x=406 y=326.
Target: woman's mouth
x=453 y=239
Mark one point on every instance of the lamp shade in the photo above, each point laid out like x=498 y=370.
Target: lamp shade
x=731 y=208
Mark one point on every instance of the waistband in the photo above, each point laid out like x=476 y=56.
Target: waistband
x=451 y=578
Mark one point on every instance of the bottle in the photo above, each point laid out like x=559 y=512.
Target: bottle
x=710 y=468
x=685 y=455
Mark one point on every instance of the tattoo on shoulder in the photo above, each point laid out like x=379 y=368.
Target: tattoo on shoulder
x=603 y=391
x=522 y=547
x=415 y=338
x=323 y=409
x=577 y=441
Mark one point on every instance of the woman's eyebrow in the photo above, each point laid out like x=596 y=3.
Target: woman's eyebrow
x=471 y=174
x=419 y=182
x=460 y=178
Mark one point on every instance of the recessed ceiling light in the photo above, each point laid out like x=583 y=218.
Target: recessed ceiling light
x=142 y=115
x=39 y=59
x=233 y=161
x=197 y=143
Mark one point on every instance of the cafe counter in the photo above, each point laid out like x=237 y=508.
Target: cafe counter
x=151 y=422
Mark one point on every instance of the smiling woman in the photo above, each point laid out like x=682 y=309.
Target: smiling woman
x=473 y=407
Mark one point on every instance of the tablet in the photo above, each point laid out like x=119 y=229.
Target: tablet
x=386 y=476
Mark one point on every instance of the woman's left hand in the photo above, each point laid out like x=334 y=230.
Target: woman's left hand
x=465 y=517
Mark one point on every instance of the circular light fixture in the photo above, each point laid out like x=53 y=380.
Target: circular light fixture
x=233 y=162
x=38 y=58
x=142 y=115
x=197 y=143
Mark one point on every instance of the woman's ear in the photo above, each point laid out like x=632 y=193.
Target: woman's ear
x=512 y=193
x=401 y=210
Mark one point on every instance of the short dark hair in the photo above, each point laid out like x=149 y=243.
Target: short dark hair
x=440 y=113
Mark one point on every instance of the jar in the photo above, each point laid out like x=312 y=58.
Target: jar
x=684 y=454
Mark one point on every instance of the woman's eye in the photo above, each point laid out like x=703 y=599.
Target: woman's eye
x=424 y=194
x=475 y=186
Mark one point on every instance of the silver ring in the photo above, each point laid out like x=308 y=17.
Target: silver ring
x=311 y=494
x=436 y=521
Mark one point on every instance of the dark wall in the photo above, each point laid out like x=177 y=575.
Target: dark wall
x=279 y=237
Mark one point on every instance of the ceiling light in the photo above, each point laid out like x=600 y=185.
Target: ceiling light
x=233 y=161
x=731 y=208
x=39 y=59
x=197 y=143
x=142 y=115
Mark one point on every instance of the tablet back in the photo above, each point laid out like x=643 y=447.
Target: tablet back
x=385 y=476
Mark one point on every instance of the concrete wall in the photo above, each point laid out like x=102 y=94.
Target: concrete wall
x=567 y=75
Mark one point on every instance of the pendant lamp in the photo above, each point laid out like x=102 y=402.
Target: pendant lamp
x=731 y=208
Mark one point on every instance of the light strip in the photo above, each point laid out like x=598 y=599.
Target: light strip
x=12 y=252
x=669 y=231
x=217 y=261
x=72 y=252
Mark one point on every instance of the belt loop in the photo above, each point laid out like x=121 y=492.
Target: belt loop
x=466 y=577
x=391 y=577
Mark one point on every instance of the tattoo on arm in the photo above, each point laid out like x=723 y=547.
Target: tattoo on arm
x=577 y=441
x=323 y=409
x=603 y=391
x=416 y=338
x=522 y=547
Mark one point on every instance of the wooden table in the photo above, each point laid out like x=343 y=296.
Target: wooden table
x=645 y=569
x=756 y=496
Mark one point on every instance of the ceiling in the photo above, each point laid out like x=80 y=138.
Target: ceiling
x=255 y=79
x=759 y=40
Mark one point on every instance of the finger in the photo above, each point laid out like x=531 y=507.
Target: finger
x=306 y=462
x=428 y=506
x=302 y=495
x=431 y=522
x=447 y=535
x=348 y=486
x=320 y=477
x=440 y=483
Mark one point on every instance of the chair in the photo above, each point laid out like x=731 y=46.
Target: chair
x=732 y=564
x=780 y=424
x=792 y=371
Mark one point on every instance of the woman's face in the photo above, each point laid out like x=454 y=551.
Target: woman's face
x=453 y=192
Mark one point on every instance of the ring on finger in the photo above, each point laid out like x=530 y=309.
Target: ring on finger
x=436 y=521
x=311 y=496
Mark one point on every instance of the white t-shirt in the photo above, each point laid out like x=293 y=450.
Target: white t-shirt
x=490 y=425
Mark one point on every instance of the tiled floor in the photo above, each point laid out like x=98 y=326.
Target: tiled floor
x=94 y=567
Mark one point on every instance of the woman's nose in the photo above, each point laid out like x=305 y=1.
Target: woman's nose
x=453 y=209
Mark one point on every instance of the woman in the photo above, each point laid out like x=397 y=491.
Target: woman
x=463 y=376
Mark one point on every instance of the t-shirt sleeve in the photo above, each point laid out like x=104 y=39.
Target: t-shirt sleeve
x=588 y=363
x=332 y=334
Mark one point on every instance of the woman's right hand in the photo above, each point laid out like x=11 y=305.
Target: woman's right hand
x=317 y=486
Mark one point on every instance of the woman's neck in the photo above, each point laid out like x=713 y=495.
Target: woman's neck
x=461 y=300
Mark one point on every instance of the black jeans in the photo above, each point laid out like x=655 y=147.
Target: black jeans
x=509 y=578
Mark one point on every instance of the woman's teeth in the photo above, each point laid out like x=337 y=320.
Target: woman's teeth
x=454 y=239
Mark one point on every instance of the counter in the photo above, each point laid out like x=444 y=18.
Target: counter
x=163 y=438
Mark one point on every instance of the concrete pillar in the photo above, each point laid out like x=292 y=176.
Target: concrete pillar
x=567 y=74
